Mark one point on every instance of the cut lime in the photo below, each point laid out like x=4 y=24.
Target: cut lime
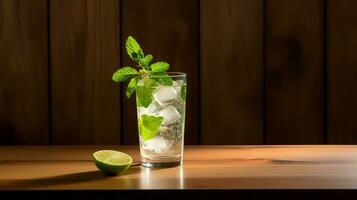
x=112 y=162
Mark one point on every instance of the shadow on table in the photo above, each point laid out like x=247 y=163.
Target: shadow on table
x=80 y=177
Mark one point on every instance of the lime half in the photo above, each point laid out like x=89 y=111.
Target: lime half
x=112 y=162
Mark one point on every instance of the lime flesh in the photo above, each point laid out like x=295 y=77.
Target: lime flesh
x=112 y=162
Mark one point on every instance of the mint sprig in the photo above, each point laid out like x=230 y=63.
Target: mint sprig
x=144 y=92
x=162 y=78
x=153 y=71
x=146 y=61
x=133 y=49
x=124 y=74
x=133 y=83
x=159 y=67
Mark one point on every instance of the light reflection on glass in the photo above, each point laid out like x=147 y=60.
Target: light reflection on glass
x=162 y=178
x=145 y=174
x=181 y=178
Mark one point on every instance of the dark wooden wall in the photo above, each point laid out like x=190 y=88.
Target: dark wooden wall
x=260 y=71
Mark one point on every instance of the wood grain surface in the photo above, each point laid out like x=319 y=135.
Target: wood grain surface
x=170 y=33
x=294 y=38
x=84 y=55
x=232 y=72
x=205 y=167
x=341 y=71
x=23 y=72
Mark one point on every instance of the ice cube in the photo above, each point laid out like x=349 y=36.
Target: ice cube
x=150 y=110
x=177 y=86
x=164 y=95
x=157 y=144
x=170 y=115
x=166 y=133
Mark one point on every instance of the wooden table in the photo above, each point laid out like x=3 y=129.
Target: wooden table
x=277 y=171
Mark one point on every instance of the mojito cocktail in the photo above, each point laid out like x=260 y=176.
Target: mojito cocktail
x=161 y=103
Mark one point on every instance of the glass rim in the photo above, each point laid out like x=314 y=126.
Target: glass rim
x=170 y=74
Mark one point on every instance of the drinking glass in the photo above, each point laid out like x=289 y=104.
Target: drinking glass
x=161 y=104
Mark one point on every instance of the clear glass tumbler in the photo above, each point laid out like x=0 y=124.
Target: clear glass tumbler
x=161 y=104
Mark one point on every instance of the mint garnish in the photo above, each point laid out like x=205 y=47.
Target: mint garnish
x=144 y=92
x=133 y=49
x=162 y=78
x=149 y=126
x=147 y=69
x=146 y=61
x=159 y=67
x=124 y=74
x=131 y=86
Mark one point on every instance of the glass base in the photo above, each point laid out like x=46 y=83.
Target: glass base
x=160 y=161
x=160 y=164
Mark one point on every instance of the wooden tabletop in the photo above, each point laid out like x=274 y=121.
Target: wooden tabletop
x=205 y=167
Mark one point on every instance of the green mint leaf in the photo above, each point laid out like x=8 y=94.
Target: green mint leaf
x=149 y=126
x=146 y=61
x=131 y=87
x=162 y=78
x=133 y=49
x=159 y=67
x=144 y=92
x=183 y=92
x=137 y=56
x=124 y=74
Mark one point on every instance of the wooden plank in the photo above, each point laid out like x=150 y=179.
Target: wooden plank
x=294 y=71
x=232 y=81
x=169 y=33
x=23 y=72
x=205 y=167
x=85 y=53
x=342 y=71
